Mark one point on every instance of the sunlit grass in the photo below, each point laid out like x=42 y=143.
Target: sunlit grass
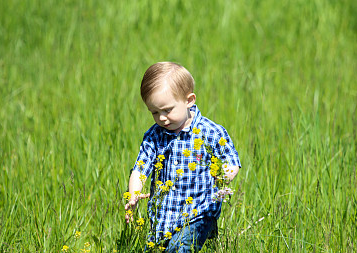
x=280 y=76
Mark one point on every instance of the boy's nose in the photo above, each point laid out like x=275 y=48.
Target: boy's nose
x=163 y=117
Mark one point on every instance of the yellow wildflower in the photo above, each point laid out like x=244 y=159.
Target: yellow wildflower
x=150 y=245
x=194 y=211
x=137 y=193
x=184 y=214
x=158 y=182
x=77 y=234
x=140 y=221
x=196 y=130
x=177 y=229
x=161 y=248
x=159 y=165
x=189 y=200
x=87 y=245
x=65 y=248
x=214 y=167
x=161 y=158
x=214 y=159
x=179 y=172
x=192 y=166
x=168 y=235
x=164 y=188
x=197 y=143
x=127 y=195
x=142 y=177
x=222 y=141
x=186 y=152
x=140 y=163
x=169 y=183
x=129 y=213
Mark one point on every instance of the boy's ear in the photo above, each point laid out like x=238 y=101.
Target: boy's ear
x=191 y=100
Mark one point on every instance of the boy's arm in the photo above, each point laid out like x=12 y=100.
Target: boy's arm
x=135 y=185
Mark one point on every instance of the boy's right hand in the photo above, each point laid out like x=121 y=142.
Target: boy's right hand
x=131 y=205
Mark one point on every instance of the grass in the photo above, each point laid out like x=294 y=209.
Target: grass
x=279 y=75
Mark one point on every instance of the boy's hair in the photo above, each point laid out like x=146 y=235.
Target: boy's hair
x=176 y=76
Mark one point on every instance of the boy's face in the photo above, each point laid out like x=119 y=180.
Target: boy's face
x=170 y=112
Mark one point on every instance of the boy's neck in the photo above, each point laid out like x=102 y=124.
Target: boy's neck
x=190 y=116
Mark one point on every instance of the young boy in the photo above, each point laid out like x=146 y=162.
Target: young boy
x=167 y=91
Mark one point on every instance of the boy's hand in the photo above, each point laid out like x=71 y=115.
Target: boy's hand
x=131 y=205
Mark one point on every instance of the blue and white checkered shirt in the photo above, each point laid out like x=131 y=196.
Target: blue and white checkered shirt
x=197 y=184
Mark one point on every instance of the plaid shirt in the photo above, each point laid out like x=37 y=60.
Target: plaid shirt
x=197 y=184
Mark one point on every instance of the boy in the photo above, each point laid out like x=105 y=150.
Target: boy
x=167 y=91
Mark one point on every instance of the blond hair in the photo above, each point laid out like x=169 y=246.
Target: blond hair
x=176 y=76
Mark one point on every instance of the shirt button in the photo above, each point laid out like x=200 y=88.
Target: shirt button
x=176 y=162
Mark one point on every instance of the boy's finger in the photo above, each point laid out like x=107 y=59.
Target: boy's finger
x=144 y=196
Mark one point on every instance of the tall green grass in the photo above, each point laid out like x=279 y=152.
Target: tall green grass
x=279 y=75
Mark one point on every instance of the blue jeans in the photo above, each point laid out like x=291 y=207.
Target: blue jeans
x=195 y=234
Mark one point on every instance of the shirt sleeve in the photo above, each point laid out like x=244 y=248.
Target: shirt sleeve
x=227 y=151
x=145 y=157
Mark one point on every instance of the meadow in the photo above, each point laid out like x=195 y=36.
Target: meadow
x=279 y=75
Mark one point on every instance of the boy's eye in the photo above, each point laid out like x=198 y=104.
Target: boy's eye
x=168 y=110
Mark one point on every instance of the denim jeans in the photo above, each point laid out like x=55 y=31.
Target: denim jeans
x=193 y=235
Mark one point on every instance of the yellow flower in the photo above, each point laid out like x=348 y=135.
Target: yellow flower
x=192 y=166
x=186 y=152
x=168 y=235
x=159 y=165
x=142 y=177
x=194 y=211
x=129 y=213
x=185 y=214
x=169 y=183
x=150 y=245
x=197 y=143
x=196 y=130
x=158 y=182
x=164 y=188
x=177 y=229
x=214 y=159
x=87 y=244
x=213 y=173
x=77 y=234
x=65 y=248
x=189 y=200
x=161 y=158
x=137 y=193
x=140 y=163
x=161 y=248
x=222 y=141
x=214 y=167
x=179 y=172
x=140 y=221
x=127 y=195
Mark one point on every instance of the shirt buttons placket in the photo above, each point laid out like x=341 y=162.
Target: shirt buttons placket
x=179 y=137
x=175 y=162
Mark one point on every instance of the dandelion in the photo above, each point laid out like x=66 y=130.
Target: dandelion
x=192 y=166
x=177 y=229
x=179 y=172
x=77 y=234
x=185 y=214
x=196 y=130
x=189 y=200
x=140 y=221
x=169 y=183
x=186 y=152
x=161 y=158
x=127 y=195
x=161 y=248
x=65 y=248
x=140 y=163
x=194 y=211
x=222 y=141
x=168 y=235
x=150 y=245
x=197 y=143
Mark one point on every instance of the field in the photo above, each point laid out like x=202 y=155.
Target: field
x=279 y=75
